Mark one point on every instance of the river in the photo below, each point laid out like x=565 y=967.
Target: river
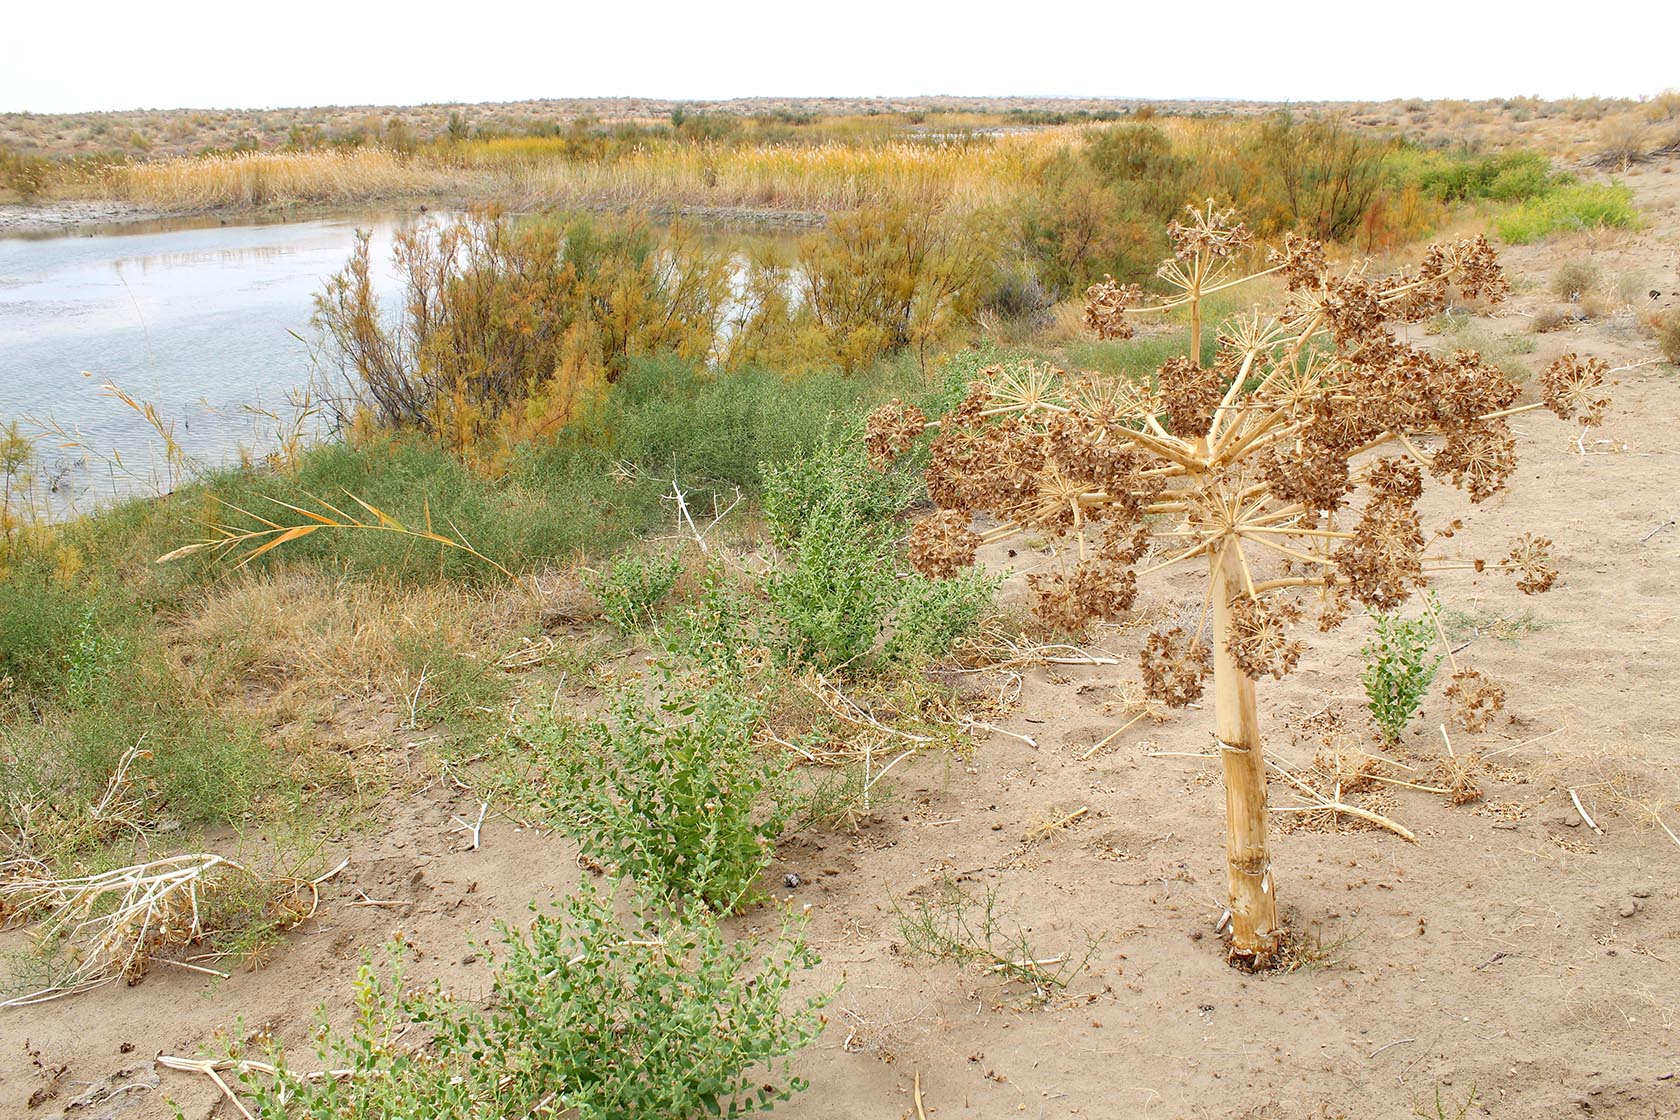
x=208 y=323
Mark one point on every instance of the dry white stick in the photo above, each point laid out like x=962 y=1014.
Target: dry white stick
x=208 y=1069
x=969 y=723
x=1582 y=809
x=196 y=968
x=1111 y=736
x=1004 y=966
x=1337 y=805
x=475 y=828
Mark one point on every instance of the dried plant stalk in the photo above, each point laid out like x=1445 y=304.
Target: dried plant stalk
x=1292 y=466
x=123 y=919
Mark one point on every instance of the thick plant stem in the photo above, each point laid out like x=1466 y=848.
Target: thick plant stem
x=1254 y=922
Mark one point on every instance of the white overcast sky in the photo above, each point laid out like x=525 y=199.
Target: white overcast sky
x=93 y=54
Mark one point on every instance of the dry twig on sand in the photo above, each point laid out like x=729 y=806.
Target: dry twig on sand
x=123 y=919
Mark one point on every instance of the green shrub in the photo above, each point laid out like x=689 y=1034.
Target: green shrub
x=1576 y=207
x=841 y=597
x=714 y=630
x=832 y=480
x=590 y=1016
x=666 y=789
x=633 y=586
x=1399 y=668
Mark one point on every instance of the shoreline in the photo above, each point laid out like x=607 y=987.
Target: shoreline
x=92 y=216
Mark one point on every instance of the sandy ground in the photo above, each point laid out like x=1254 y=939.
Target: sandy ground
x=1512 y=953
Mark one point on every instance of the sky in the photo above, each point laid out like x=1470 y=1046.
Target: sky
x=95 y=54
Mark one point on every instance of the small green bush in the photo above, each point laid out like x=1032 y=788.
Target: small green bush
x=667 y=790
x=842 y=598
x=1579 y=206
x=590 y=1016
x=633 y=586
x=1399 y=668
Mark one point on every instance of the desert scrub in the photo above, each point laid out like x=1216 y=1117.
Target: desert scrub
x=1579 y=206
x=1399 y=668
x=633 y=586
x=590 y=1016
x=667 y=788
x=841 y=597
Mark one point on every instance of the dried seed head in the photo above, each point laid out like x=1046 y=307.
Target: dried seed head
x=1530 y=560
x=1105 y=308
x=1216 y=233
x=890 y=430
x=1302 y=261
x=1174 y=666
x=1383 y=561
x=1096 y=590
x=942 y=543
x=1190 y=395
x=1475 y=700
x=1259 y=637
x=1572 y=387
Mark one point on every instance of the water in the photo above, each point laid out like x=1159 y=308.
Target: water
x=202 y=323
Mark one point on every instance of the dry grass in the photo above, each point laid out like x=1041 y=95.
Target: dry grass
x=280 y=643
x=259 y=178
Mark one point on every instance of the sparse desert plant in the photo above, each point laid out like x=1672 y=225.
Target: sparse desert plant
x=1622 y=141
x=591 y=1015
x=947 y=922
x=1667 y=326
x=1574 y=280
x=840 y=599
x=633 y=585
x=1400 y=665
x=123 y=919
x=667 y=790
x=1249 y=465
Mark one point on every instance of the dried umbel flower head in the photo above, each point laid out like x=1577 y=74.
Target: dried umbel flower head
x=890 y=430
x=1214 y=233
x=1530 y=560
x=1105 y=308
x=1475 y=700
x=1259 y=639
x=1458 y=775
x=1174 y=666
x=1095 y=590
x=943 y=543
x=1572 y=387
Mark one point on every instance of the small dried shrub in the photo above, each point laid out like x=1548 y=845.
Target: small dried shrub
x=1575 y=279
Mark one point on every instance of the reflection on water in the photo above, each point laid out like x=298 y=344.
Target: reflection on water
x=201 y=322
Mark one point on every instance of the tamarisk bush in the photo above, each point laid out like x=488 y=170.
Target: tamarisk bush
x=1291 y=466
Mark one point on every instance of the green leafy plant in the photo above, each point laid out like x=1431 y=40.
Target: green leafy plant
x=667 y=789
x=591 y=1016
x=1399 y=667
x=633 y=587
x=841 y=598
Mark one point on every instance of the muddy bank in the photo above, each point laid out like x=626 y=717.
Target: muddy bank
x=66 y=217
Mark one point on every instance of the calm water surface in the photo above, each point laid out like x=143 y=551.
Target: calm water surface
x=200 y=322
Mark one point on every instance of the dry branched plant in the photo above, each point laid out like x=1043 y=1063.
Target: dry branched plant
x=118 y=922
x=1292 y=466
